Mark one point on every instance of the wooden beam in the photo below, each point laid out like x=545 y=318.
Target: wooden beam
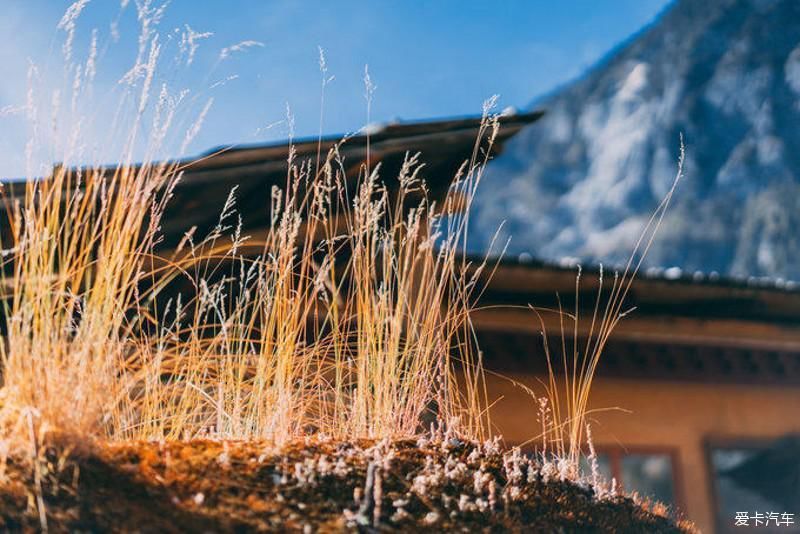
x=675 y=330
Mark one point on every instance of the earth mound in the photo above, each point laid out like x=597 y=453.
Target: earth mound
x=310 y=486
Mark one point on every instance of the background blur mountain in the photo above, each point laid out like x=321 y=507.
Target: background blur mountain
x=581 y=182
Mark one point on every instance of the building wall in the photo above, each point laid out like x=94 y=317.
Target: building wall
x=680 y=416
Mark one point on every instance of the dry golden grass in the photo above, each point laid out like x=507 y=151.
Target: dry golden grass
x=79 y=243
x=564 y=409
x=351 y=321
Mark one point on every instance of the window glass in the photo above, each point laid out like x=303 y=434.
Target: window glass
x=603 y=466
x=755 y=481
x=650 y=475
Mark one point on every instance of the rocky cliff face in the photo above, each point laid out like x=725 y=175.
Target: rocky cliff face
x=581 y=182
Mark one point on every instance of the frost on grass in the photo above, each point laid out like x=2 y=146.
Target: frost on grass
x=228 y=51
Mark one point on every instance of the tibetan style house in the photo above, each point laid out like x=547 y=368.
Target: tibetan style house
x=698 y=390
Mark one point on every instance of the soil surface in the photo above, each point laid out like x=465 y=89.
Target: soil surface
x=311 y=486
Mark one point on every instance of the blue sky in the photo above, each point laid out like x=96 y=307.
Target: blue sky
x=426 y=59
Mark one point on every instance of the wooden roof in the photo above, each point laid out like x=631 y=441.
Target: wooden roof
x=680 y=328
x=444 y=145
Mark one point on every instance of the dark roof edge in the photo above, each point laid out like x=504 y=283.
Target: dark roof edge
x=384 y=130
x=671 y=275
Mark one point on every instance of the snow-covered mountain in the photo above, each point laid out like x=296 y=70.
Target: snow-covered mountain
x=582 y=181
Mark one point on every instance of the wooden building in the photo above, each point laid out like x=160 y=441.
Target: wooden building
x=696 y=386
x=254 y=170
x=700 y=382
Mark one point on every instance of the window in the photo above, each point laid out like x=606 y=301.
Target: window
x=603 y=465
x=651 y=473
x=756 y=479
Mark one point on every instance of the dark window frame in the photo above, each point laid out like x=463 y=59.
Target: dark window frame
x=725 y=442
x=615 y=453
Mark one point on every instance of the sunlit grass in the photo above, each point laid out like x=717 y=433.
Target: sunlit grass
x=352 y=320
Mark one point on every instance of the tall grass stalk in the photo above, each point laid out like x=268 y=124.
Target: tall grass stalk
x=572 y=365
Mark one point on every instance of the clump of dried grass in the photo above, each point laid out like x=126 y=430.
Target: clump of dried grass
x=351 y=320
x=345 y=323
x=293 y=340
x=79 y=240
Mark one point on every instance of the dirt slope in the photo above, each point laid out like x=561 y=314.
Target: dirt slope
x=211 y=486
